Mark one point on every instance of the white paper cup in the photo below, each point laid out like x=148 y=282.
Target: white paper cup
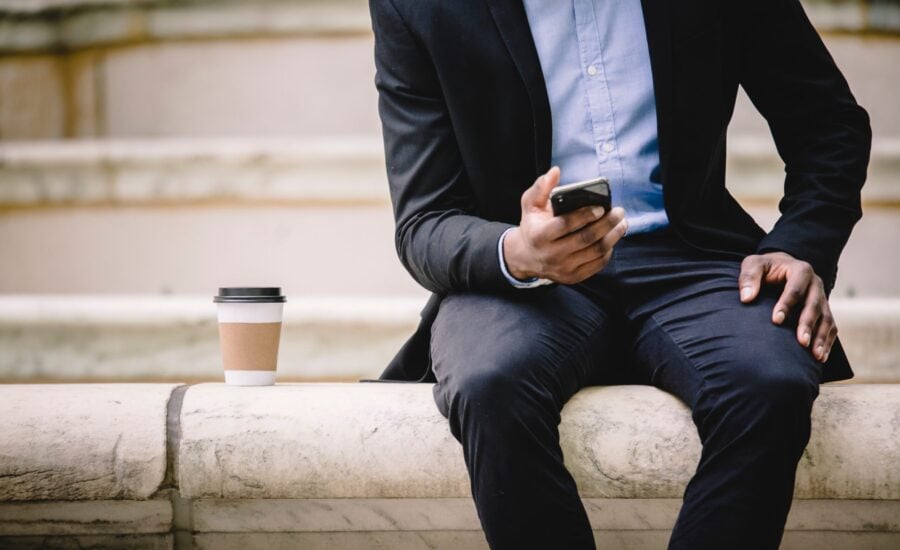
x=250 y=333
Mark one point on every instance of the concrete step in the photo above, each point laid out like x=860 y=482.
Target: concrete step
x=325 y=169
x=182 y=215
x=169 y=338
x=333 y=466
x=91 y=68
x=150 y=338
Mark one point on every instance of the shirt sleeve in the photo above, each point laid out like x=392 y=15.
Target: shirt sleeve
x=528 y=283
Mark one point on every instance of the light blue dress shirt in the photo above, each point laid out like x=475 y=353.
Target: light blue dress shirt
x=596 y=67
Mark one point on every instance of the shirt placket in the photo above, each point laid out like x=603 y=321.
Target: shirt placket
x=599 y=99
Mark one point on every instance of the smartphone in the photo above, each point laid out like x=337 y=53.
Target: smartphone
x=572 y=196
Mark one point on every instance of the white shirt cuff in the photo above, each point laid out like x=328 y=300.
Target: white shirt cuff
x=529 y=283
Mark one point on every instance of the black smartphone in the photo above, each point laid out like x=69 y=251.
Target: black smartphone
x=572 y=196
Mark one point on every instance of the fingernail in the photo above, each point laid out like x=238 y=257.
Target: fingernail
x=779 y=317
x=598 y=211
x=806 y=340
x=746 y=292
x=824 y=359
x=820 y=351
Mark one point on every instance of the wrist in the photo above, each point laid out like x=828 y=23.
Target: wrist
x=515 y=257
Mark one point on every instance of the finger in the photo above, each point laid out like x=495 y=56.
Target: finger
x=588 y=262
x=591 y=268
x=794 y=292
x=538 y=195
x=569 y=262
x=575 y=220
x=829 y=341
x=605 y=245
x=753 y=268
x=589 y=235
x=824 y=338
x=809 y=317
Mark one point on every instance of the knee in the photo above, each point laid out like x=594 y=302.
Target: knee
x=781 y=388
x=773 y=397
x=495 y=400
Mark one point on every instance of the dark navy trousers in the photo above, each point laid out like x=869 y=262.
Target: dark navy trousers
x=660 y=313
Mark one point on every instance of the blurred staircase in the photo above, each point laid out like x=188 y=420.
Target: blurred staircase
x=152 y=151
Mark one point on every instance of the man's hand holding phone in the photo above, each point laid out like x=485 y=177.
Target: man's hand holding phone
x=567 y=248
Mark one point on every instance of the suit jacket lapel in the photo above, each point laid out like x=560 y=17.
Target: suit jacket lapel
x=657 y=21
x=511 y=21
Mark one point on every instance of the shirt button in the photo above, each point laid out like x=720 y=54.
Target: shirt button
x=592 y=70
x=608 y=147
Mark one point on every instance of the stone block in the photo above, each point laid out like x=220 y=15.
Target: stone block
x=306 y=86
x=458 y=514
x=240 y=442
x=312 y=441
x=32 y=98
x=394 y=540
x=94 y=542
x=82 y=442
x=87 y=517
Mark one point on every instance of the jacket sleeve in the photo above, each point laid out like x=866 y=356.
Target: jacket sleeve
x=821 y=133
x=439 y=239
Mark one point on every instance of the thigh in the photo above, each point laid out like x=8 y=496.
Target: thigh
x=553 y=339
x=700 y=340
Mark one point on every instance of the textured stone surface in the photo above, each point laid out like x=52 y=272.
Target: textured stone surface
x=397 y=540
x=94 y=542
x=354 y=441
x=629 y=442
x=855 y=449
x=88 y=517
x=455 y=514
x=317 y=441
x=86 y=441
x=474 y=540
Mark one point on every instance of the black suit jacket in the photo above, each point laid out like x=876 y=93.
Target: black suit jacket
x=466 y=124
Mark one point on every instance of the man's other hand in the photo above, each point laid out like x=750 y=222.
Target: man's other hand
x=566 y=249
x=816 y=329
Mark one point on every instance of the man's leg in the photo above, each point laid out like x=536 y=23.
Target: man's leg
x=750 y=386
x=505 y=367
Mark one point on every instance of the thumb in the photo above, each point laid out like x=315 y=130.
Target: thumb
x=538 y=194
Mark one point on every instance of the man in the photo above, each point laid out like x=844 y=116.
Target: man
x=487 y=105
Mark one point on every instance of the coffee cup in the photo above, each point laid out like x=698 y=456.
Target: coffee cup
x=249 y=333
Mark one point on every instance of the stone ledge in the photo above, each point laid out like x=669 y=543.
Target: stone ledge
x=330 y=465
x=147 y=337
x=619 y=442
x=82 y=441
x=335 y=170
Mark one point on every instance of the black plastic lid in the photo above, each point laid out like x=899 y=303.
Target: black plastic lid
x=248 y=294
